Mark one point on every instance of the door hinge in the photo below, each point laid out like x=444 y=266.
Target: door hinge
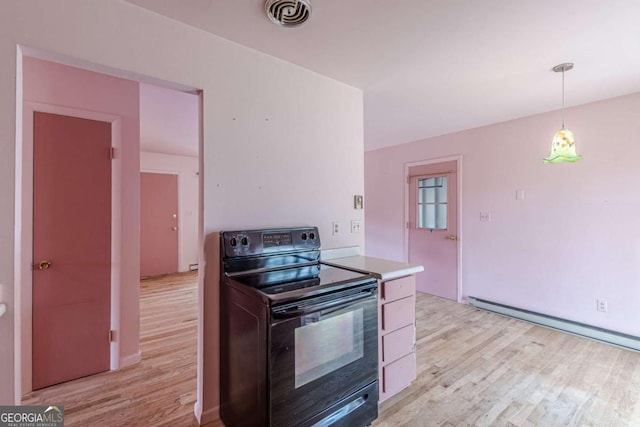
x=112 y=153
x=408 y=224
x=112 y=336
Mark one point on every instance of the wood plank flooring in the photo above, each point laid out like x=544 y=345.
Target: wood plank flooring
x=474 y=369
x=481 y=369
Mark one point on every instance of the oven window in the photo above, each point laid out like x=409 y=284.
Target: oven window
x=324 y=345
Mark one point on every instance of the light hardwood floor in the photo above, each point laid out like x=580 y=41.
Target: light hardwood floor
x=474 y=369
x=481 y=369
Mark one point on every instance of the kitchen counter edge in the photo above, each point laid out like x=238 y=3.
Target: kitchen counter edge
x=383 y=269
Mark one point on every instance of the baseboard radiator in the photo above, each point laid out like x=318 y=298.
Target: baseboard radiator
x=580 y=329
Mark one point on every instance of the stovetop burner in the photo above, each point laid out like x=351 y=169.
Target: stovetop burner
x=291 y=279
x=285 y=285
x=283 y=264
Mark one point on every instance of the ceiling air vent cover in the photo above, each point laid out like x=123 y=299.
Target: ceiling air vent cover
x=288 y=13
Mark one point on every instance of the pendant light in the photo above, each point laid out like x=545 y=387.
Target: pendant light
x=563 y=146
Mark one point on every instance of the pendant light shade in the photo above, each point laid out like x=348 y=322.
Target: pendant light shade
x=563 y=146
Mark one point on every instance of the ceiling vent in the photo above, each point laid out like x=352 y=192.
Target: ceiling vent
x=288 y=13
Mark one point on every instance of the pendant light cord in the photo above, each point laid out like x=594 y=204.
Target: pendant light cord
x=562 y=97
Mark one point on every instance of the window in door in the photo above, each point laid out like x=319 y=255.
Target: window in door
x=432 y=203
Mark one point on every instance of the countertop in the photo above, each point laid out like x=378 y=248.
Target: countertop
x=383 y=269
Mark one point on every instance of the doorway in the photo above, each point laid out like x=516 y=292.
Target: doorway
x=122 y=202
x=169 y=180
x=432 y=225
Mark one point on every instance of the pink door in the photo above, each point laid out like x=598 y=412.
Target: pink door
x=433 y=227
x=71 y=248
x=158 y=224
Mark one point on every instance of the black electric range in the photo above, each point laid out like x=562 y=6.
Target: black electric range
x=298 y=338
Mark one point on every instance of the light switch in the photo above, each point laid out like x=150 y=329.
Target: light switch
x=485 y=216
x=358 y=201
x=519 y=194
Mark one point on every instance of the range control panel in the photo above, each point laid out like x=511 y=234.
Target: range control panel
x=263 y=242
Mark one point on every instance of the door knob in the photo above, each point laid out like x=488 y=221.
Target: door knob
x=452 y=237
x=44 y=265
x=174 y=228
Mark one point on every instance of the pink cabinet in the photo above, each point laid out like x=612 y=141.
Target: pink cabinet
x=398 y=375
x=397 y=335
x=398 y=343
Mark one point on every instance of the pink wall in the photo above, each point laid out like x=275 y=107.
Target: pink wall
x=573 y=238
x=51 y=83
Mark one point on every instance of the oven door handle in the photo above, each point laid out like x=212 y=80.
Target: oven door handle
x=334 y=305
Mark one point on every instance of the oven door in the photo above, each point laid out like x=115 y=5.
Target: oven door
x=322 y=351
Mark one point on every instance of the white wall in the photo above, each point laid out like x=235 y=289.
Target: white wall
x=187 y=170
x=292 y=156
x=572 y=240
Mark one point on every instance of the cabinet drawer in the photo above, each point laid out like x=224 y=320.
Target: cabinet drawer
x=400 y=288
x=397 y=314
x=399 y=374
x=398 y=343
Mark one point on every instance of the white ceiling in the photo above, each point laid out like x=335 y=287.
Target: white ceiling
x=431 y=67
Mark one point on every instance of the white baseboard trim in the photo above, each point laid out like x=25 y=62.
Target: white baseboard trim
x=210 y=415
x=197 y=411
x=618 y=339
x=132 y=359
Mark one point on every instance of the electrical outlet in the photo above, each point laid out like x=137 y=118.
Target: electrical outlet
x=602 y=305
x=485 y=216
x=335 y=227
x=355 y=226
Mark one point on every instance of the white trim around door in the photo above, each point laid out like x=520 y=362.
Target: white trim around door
x=407 y=166
x=24 y=238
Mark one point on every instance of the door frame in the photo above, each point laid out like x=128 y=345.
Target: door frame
x=24 y=241
x=407 y=186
